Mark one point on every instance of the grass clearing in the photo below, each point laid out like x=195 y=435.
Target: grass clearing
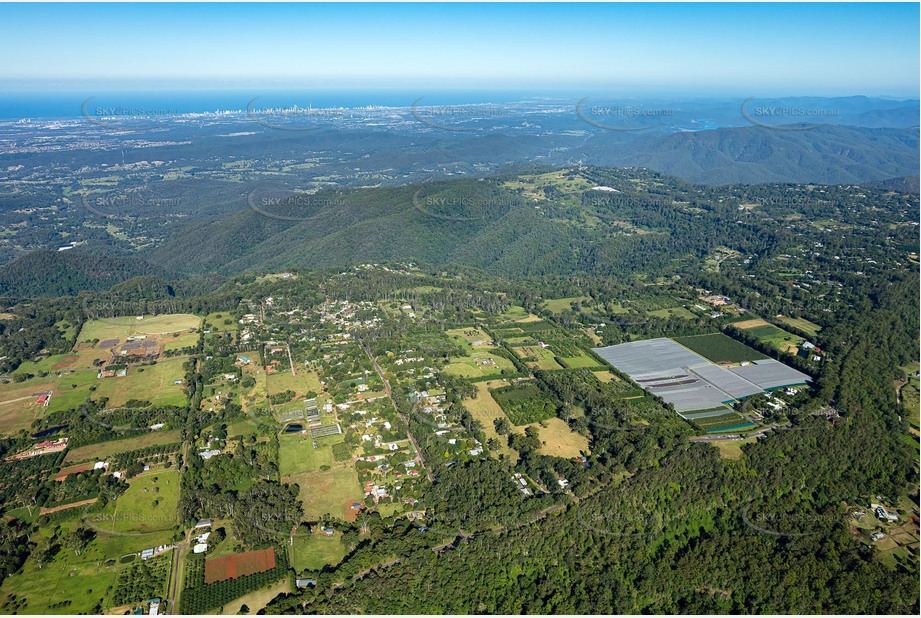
x=544 y=357
x=559 y=305
x=297 y=456
x=257 y=599
x=810 y=328
x=672 y=312
x=153 y=383
x=485 y=409
x=558 y=439
x=312 y=553
x=731 y=449
x=149 y=505
x=329 y=491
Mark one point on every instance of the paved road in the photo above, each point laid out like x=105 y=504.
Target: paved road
x=409 y=433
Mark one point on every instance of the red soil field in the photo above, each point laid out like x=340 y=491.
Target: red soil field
x=239 y=565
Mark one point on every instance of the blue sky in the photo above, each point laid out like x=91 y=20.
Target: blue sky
x=758 y=49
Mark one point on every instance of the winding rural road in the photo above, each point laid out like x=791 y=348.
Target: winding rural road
x=380 y=373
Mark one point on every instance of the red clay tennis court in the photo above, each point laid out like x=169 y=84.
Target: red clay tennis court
x=239 y=565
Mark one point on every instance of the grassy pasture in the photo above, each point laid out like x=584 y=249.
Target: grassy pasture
x=606 y=376
x=156 y=384
x=771 y=335
x=127 y=326
x=558 y=439
x=810 y=328
x=472 y=366
x=316 y=551
x=149 y=505
x=302 y=383
x=328 y=491
x=679 y=312
x=731 y=449
x=559 y=305
x=297 y=456
x=485 y=409
x=545 y=357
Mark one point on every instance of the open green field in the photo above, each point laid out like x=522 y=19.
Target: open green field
x=98 y=452
x=332 y=491
x=545 y=357
x=177 y=341
x=513 y=314
x=127 y=326
x=257 y=599
x=559 y=305
x=676 y=312
x=216 y=322
x=731 y=449
x=720 y=348
x=810 y=328
x=302 y=383
x=296 y=453
x=557 y=439
x=153 y=383
x=468 y=336
x=606 y=376
x=316 y=551
x=481 y=363
x=69 y=584
x=148 y=506
x=582 y=361
x=771 y=335
x=485 y=409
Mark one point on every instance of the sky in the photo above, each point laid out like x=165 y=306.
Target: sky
x=820 y=49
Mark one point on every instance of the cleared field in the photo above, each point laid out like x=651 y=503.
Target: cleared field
x=481 y=363
x=120 y=328
x=316 y=551
x=239 y=565
x=485 y=409
x=676 y=312
x=558 y=439
x=771 y=335
x=606 y=376
x=258 y=599
x=559 y=305
x=217 y=322
x=305 y=381
x=470 y=335
x=68 y=585
x=153 y=383
x=544 y=356
x=731 y=449
x=719 y=348
x=328 y=492
x=910 y=397
x=581 y=361
x=810 y=328
x=98 y=452
x=149 y=505
x=296 y=453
